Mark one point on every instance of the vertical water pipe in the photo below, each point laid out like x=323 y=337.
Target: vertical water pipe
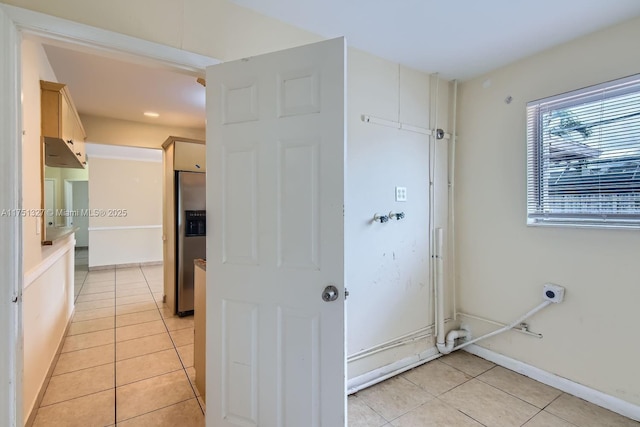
x=438 y=264
x=432 y=167
x=452 y=212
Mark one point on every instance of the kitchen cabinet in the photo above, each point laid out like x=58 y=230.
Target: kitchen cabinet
x=189 y=157
x=62 y=132
x=200 y=325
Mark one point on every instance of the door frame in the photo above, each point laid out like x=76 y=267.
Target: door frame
x=68 y=200
x=54 y=201
x=16 y=22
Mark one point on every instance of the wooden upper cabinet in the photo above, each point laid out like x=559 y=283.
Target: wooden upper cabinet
x=62 y=131
x=190 y=157
x=187 y=154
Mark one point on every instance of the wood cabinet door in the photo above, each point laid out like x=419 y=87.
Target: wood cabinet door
x=189 y=156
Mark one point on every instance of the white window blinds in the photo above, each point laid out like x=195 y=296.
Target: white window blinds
x=583 y=156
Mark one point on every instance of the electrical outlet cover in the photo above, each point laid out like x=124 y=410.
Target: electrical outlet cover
x=401 y=194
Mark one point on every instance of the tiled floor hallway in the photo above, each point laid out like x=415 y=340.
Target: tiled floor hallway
x=127 y=361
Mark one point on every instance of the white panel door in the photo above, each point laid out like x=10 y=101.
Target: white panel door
x=275 y=193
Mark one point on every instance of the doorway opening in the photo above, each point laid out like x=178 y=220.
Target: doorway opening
x=67 y=196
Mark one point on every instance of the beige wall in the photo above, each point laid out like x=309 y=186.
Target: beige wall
x=502 y=263
x=47 y=303
x=216 y=28
x=35 y=67
x=103 y=130
x=48 y=285
x=115 y=186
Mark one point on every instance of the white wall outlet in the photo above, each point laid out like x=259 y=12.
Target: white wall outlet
x=401 y=194
x=553 y=293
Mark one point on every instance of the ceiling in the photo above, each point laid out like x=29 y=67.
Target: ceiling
x=457 y=38
x=108 y=87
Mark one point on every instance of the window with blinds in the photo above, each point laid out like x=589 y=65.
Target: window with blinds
x=583 y=157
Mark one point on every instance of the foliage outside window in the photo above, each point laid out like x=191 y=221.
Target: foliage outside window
x=583 y=157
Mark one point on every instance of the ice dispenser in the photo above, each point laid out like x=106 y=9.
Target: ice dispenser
x=196 y=223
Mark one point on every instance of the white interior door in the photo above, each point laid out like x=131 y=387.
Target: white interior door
x=275 y=193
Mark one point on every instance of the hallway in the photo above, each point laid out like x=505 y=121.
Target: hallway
x=125 y=359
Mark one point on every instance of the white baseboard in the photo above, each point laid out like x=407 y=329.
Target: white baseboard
x=589 y=394
x=378 y=375
x=129 y=265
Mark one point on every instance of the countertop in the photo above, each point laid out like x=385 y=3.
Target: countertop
x=199 y=262
x=56 y=233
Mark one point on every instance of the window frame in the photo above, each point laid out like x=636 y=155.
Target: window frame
x=535 y=162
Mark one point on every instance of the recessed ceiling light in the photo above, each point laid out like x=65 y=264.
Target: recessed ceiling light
x=151 y=114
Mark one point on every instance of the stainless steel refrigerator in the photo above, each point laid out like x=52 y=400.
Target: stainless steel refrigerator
x=191 y=231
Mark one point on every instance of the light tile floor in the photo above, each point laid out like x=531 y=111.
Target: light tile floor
x=127 y=361
x=463 y=390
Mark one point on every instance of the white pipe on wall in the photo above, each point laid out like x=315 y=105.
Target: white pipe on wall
x=518 y=328
x=455 y=334
x=432 y=224
x=438 y=265
x=452 y=211
x=388 y=347
x=426 y=331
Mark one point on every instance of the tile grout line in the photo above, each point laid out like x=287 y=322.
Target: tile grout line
x=477 y=377
x=513 y=395
x=175 y=347
x=80 y=370
x=437 y=397
x=150 y=412
x=148 y=378
x=115 y=347
x=115 y=350
x=551 y=413
x=74 y=398
x=83 y=280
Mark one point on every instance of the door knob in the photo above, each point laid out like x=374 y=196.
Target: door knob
x=330 y=293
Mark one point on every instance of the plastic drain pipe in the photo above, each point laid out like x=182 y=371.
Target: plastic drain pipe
x=461 y=333
x=446 y=344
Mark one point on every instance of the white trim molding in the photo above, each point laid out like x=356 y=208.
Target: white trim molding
x=33 y=274
x=10 y=227
x=378 y=375
x=589 y=394
x=63 y=30
x=125 y=227
x=118 y=152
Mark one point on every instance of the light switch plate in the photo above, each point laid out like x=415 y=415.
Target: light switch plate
x=401 y=194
